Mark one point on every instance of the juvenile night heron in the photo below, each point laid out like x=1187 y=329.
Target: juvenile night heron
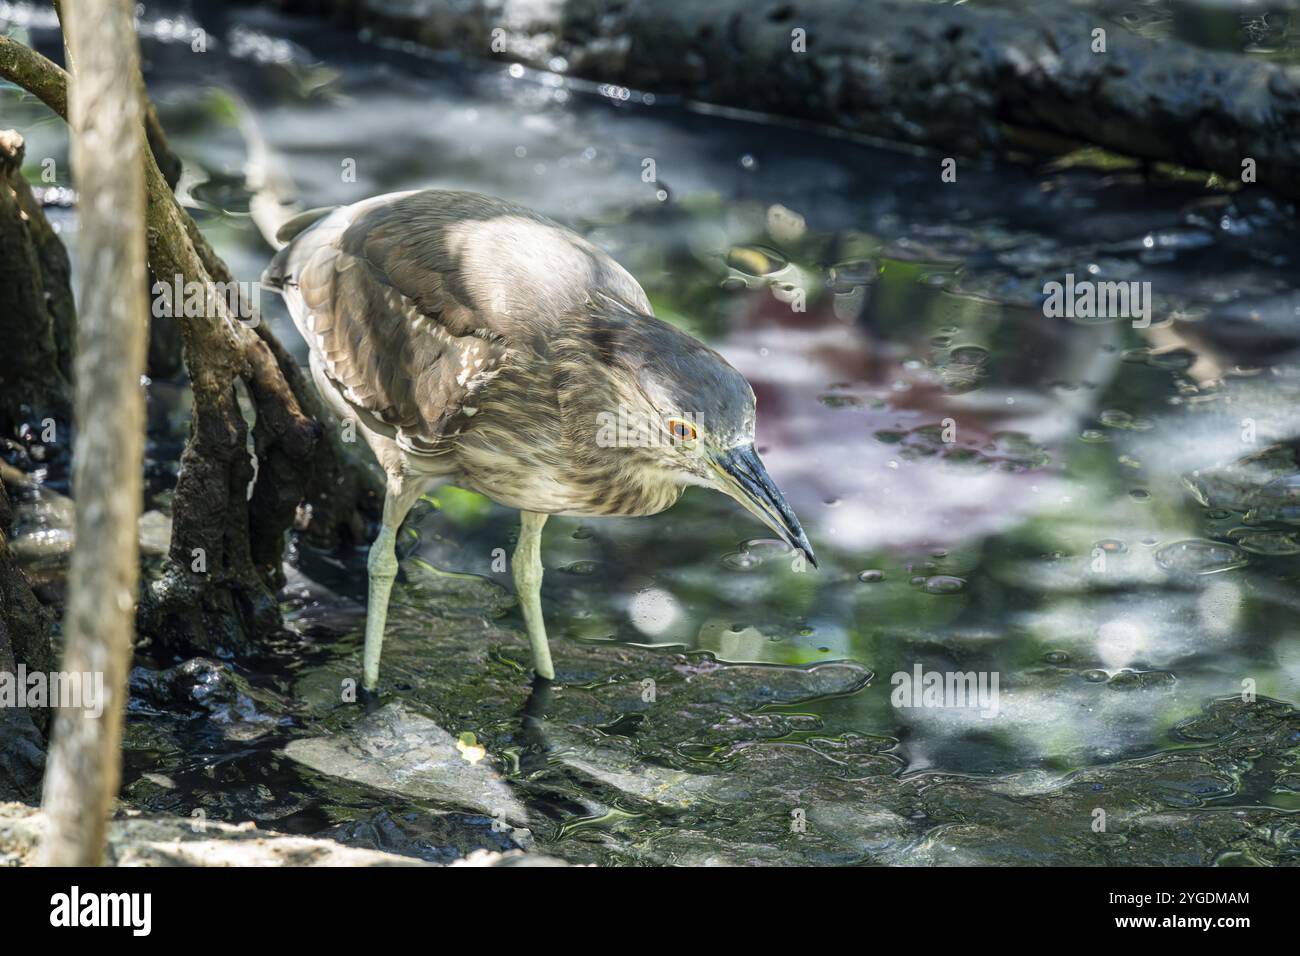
x=478 y=343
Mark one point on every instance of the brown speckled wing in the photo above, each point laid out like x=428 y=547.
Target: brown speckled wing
x=412 y=361
x=417 y=301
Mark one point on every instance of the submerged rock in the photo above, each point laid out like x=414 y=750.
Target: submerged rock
x=396 y=750
x=1264 y=485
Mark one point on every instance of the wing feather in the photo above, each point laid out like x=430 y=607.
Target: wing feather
x=416 y=302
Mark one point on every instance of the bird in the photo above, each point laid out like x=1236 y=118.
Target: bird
x=478 y=343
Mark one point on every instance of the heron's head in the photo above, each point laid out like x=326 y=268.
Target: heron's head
x=700 y=412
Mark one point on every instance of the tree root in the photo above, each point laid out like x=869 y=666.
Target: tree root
x=217 y=590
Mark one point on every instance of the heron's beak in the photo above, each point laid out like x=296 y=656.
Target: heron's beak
x=744 y=478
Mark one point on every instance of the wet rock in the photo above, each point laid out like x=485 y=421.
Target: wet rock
x=202 y=685
x=1141 y=680
x=435 y=836
x=403 y=752
x=1265 y=483
x=449 y=594
x=44 y=520
x=1268 y=543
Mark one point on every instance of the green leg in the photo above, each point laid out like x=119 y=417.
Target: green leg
x=382 y=565
x=527 y=567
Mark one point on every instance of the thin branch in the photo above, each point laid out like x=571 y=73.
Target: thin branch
x=43 y=78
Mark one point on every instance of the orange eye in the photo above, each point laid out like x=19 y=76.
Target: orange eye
x=681 y=430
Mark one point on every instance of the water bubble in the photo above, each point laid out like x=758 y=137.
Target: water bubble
x=968 y=355
x=1199 y=556
x=1115 y=418
x=1095 y=676
x=741 y=561
x=944 y=584
x=1139 y=494
x=763 y=548
x=870 y=577
x=1056 y=657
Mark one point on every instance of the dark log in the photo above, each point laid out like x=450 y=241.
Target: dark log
x=948 y=77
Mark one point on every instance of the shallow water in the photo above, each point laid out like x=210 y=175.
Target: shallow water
x=1047 y=501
